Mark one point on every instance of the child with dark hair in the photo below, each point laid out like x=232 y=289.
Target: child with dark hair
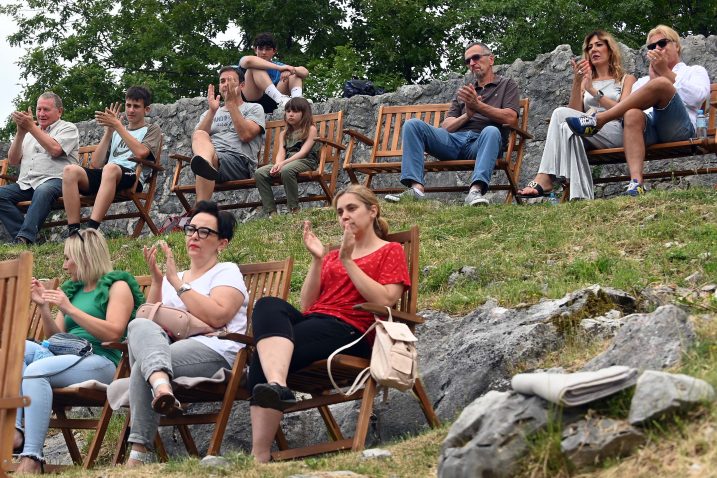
x=112 y=168
x=298 y=152
x=269 y=82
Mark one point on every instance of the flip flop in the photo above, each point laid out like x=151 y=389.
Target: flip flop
x=167 y=405
x=534 y=185
x=203 y=168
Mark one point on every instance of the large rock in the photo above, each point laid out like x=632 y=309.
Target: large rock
x=489 y=436
x=659 y=393
x=590 y=441
x=648 y=341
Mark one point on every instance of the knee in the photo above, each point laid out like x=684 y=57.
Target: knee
x=71 y=173
x=286 y=174
x=664 y=85
x=137 y=328
x=634 y=118
x=111 y=172
x=491 y=134
x=413 y=126
x=200 y=136
x=262 y=174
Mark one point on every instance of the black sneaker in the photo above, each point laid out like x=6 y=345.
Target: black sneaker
x=272 y=395
x=202 y=168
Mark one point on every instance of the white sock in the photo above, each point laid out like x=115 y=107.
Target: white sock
x=273 y=93
x=297 y=91
x=420 y=193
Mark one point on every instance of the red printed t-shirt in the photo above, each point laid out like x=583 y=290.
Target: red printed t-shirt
x=338 y=295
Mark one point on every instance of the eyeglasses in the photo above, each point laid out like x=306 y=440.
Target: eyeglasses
x=202 y=232
x=476 y=58
x=661 y=43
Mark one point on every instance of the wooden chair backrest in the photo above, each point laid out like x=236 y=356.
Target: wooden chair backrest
x=15 y=278
x=34 y=330
x=3 y=171
x=329 y=126
x=266 y=279
x=388 y=139
x=711 y=108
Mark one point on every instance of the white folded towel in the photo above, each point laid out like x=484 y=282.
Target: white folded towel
x=573 y=389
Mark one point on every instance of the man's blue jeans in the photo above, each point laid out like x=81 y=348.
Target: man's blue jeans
x=418 y=137
x=26 y=226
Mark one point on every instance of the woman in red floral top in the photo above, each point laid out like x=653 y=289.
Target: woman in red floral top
x=366 y=268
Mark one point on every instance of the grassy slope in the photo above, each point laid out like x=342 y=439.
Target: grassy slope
x=522 y=254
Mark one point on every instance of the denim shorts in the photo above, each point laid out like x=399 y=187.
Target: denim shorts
x=671 y=123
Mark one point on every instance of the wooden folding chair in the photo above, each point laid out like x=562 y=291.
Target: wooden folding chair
x=314 y=379
x=262 y=280
x=15 y=279
x=73 y=396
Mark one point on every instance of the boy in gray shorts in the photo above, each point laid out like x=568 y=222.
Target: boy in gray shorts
x=227 y=139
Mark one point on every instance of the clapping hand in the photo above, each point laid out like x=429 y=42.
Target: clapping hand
x=348 y=242
x=214 y=100
x=110 y=117
x=232 y=95
x=57 y=297
x=36 y=292
x=312 y=243
x=23 y=119
x=658 y=63
x=150 y=257
x=467 y=94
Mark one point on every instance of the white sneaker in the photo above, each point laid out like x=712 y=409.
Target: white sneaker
x=408 y=194
x=282 y=102
x=475 y=198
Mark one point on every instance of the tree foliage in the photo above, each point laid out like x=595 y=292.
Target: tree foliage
x=89 y=51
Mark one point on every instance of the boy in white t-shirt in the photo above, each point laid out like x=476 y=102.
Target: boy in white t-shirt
x=112 y=169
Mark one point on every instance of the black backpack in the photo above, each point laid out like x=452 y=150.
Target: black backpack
x=361 y=87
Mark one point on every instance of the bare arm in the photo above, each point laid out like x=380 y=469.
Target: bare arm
x=216 y=309
x=474 y=104
x=119 y=309
x=246 y=129
x=576 y=91
x=14 y=154
x=306 y=147
x=99 y=157
x=206 y=123
x=312 y=283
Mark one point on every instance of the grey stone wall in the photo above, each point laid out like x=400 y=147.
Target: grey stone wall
x=545 y=80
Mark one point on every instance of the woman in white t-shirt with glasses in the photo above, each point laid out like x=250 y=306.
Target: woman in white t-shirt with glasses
x=212 y=291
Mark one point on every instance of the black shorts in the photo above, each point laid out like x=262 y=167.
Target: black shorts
x=94 y=178
x=265 y=101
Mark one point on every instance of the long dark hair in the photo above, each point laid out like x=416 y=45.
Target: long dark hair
x=299 y=105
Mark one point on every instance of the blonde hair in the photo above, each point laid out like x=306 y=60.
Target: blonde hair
x=615 y=61
x=88 y=250
x=668 y=33
x=366 y=196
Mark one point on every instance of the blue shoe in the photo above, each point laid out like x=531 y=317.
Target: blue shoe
x=584 y=125
x=635 y=189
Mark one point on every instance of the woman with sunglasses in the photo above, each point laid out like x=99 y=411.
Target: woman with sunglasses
x=212 y=291
x=95 y=304
x=599 y=83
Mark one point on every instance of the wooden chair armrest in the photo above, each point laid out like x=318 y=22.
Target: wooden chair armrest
x=361 y=137
x=236 y=337
x=149 y=164
x=180 y=157
x=14 y=402
x=116 y=346
x=521 y=132
x=331 y=143
x=381 y=311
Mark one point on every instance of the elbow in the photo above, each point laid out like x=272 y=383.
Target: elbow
x=247 y=136
x=143 y=153
x=56 y=152
x=247 y=61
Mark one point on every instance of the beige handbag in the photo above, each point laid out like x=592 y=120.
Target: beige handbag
x=179 y=324
x=394 y=359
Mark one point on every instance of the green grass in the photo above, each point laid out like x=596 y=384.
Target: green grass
x=522 y=254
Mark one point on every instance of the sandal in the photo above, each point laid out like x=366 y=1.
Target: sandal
x=533 y=185
x=143 y=457
x=165 y=404
x=202 y=168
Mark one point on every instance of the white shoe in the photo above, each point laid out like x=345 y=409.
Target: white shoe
x=408 y=194
x=475 y=198
x=282 y=102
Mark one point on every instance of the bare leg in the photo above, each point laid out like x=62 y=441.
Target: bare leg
x=111 y=175
x=657 y=92
x=74 y=178
x=17 y=439
x=28 y=466
x=634 y=141
x=264 y=424
x=255 y=83
x=202 y=146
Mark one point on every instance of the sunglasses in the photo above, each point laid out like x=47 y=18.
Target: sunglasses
x=202 y=232
x=76 y=232
x=661 y=43
x=476 y=58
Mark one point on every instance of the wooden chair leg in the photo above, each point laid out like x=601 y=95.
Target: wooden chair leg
x=280 y=438
x=188 y=440
x=326 y=189
x=369 y=393
x=332 y=427
x=159 y=449
x=69 y=437
x=121 y=448
x=102 y=424
x=426 y=405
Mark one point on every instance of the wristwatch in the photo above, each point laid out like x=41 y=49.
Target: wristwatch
x=599 y=95
x=183 y=288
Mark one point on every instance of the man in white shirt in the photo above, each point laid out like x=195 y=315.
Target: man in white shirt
x=42 y=150
x=670 y=95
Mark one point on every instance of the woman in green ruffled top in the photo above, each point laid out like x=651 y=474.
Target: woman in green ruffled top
x=96 y=304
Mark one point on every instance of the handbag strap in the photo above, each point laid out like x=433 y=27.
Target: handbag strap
x=364 y=375
x=153 y=311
